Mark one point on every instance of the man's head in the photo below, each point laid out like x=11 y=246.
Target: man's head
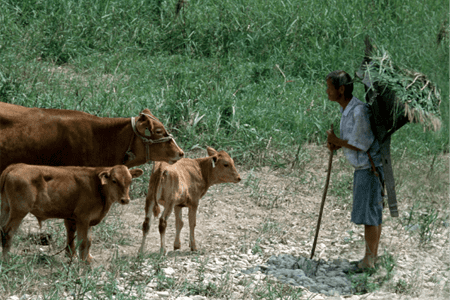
x=339 y=83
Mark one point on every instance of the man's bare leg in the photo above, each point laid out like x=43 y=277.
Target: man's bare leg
x=372 y=236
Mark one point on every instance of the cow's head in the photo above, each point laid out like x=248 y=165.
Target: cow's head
x=223 y=169
x=152 y=142
x=116 y=183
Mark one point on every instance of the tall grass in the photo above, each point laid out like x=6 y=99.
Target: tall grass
x=232 y=74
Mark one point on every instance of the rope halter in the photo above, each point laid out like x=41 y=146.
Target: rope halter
x=146 y=140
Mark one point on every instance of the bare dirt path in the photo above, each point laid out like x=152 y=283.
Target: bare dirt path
x=275 y=211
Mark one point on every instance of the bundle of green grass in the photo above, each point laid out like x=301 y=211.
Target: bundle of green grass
x=415 y=95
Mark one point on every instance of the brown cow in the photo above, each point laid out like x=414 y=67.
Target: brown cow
x=57 y=137
x=82 y=196
x=182 y=185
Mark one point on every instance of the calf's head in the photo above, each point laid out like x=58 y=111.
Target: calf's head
x=223 y=169
x=116 y=183
x=153 y=142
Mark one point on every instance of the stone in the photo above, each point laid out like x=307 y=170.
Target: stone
x=198 y=297
x=168 y=271
x=163 y=294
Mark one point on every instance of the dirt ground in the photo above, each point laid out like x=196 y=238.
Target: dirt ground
x=280 y=207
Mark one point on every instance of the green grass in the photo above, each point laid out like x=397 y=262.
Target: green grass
x=234 y=74
x=244 y=76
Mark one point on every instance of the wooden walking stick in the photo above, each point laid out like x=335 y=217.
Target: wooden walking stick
x=330 y=161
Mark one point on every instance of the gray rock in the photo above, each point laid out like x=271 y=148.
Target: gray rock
x=326 y=277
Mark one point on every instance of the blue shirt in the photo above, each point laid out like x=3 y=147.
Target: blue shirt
x=356 y=130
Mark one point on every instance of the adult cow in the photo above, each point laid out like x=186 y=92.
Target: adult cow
x=57 y=137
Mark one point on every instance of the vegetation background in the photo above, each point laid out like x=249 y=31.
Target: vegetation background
x=244 y=76
x=230 y=74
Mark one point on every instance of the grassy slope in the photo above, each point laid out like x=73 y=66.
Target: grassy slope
x=233 y=74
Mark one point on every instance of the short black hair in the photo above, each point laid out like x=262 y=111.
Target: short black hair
x=341 y=78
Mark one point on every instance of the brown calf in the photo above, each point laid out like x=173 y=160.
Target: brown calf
x=182 y=185
x=82 y=196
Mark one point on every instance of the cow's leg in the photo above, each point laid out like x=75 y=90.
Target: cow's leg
x=84 y=241
x=146 y=224
x=9 y=229
x=71 y=228
x=163 y=226
x=89 y=257
x=192 y=224
x=179 y=226
x=4 y=212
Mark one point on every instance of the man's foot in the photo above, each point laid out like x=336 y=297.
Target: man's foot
x=358 y=262
x=359 y=266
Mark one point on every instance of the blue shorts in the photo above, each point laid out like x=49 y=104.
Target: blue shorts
x=367 y=199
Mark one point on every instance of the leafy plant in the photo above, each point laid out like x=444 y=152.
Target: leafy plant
x=428 y=222
x=276 y=290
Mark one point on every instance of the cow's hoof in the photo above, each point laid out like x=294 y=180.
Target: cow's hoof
x=89 y=259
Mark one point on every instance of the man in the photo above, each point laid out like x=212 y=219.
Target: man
x=363 y=152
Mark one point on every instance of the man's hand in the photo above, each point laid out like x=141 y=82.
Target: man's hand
x=332 y=140
x=333 y=147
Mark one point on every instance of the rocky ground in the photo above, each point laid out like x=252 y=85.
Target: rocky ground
x=274 y=212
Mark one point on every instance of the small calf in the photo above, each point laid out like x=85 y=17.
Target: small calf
x=82 y=196
x=182 y=185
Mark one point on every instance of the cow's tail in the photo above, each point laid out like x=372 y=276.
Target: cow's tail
x=154 y=189
x=156 y=209
x=159 y=192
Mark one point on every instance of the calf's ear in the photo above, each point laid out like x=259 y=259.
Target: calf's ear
x=214 y=160
x=136 y=173
x=211 y=151
x=104 y=177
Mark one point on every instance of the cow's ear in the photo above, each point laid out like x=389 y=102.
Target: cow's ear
x=104 y=177
x=146 y=111
x=142 y=118
x=145 y=125
x=214 y=160
x=136 y=173
x=211 y=151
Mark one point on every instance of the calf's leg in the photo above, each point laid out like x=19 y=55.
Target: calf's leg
x=8 y=231
x=163 y=226
x=84 y=241
x=192 y=224
x=146 y=225
x=5 y=211
x=71 y=228
x=179 y=226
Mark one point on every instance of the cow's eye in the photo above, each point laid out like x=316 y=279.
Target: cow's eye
x=225 y=165
x=114 y=181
